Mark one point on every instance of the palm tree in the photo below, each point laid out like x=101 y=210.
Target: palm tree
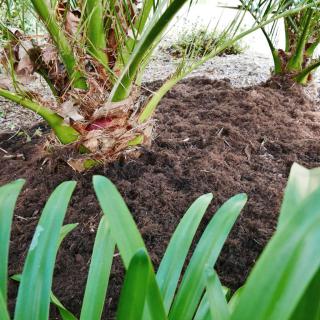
x=93 y=59
x=302 y=37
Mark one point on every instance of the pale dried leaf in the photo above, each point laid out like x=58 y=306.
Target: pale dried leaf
x=72 y=23
x=5 y=83
x=49 y=54
x=70 y=110
x=76 y=164
x=109 y=108
x=25 y=66
x=97 y=141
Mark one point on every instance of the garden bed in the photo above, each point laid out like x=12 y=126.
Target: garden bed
x=209 y=137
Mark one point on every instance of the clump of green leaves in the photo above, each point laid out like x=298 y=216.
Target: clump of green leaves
x=284 y=284
x=198 y=41
x=298 y=60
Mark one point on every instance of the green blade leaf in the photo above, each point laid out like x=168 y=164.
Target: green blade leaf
x=150 y=36
x=235 y=299
x=216 y=297
x=285 y=268
x=203 y=312
x=65 y=230
x=65 y=133
x=4 y=315
x=171 y=265
x=122 y=226
x=154 y=309
x=8 y=197
x=65 y=314
x=309 y=304
x=39 y=265
x=206 y=253
x=127 y=237
x=134 y=291
x=99 y=272
x=300 y=184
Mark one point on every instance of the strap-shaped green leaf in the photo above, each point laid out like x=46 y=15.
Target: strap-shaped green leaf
x=171 y=265
x=99 y=272
x=140 y=295
x=65 y=230
x=127 y=237
x=235 y=299
x=8 y=197
x=206 y=253
x=218 y=304
x=122 y=226
x=64 y=313
x=309 y=304
x=4 y=315
x=300 y=184
x=285 y=268
x=203 y=312
x=39 y=265
x=134 y=291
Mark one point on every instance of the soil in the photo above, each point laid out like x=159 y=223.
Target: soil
x=210 y=137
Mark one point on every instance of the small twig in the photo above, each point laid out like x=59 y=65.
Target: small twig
x=5 y=151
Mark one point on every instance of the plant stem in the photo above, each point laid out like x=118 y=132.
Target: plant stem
x=149 y=109
x=302 y=77
x=65 y=133
x=96 y=38
x=77 y=78
x=123 y=85
x=296 y=61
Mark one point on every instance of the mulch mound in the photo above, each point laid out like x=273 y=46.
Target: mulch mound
x=209 y=137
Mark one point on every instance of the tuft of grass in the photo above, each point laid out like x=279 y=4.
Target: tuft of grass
x=198 y=41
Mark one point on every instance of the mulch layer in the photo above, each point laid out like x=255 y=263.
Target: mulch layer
x=209 y=137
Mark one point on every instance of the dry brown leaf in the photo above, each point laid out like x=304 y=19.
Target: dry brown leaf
x=113 y=108
x=25 y=65
x=49 y=54
x=69 y=110
x=72 y=23
x=5 y=83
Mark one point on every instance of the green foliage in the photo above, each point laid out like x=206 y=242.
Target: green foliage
x=198 y=41
x=92 y=54
x=302 y=37
x=284 y=283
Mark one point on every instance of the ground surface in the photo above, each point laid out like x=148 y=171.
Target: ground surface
x=210 y=137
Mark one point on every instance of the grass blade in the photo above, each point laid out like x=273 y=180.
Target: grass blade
x=39 y=265
x=64 y=313
x=203 y=312
x=171 y=265
x=3 y=309
x=154 y=308
x=134 y=291
x=206 y=253
x=122 y=226
x=310 y=303
x=235 y=299
x=300 y=184
x=216 y=297
x=65 y=230
x=288 y=265
x=8 y=197
x=99 y=272
x=127 y=237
